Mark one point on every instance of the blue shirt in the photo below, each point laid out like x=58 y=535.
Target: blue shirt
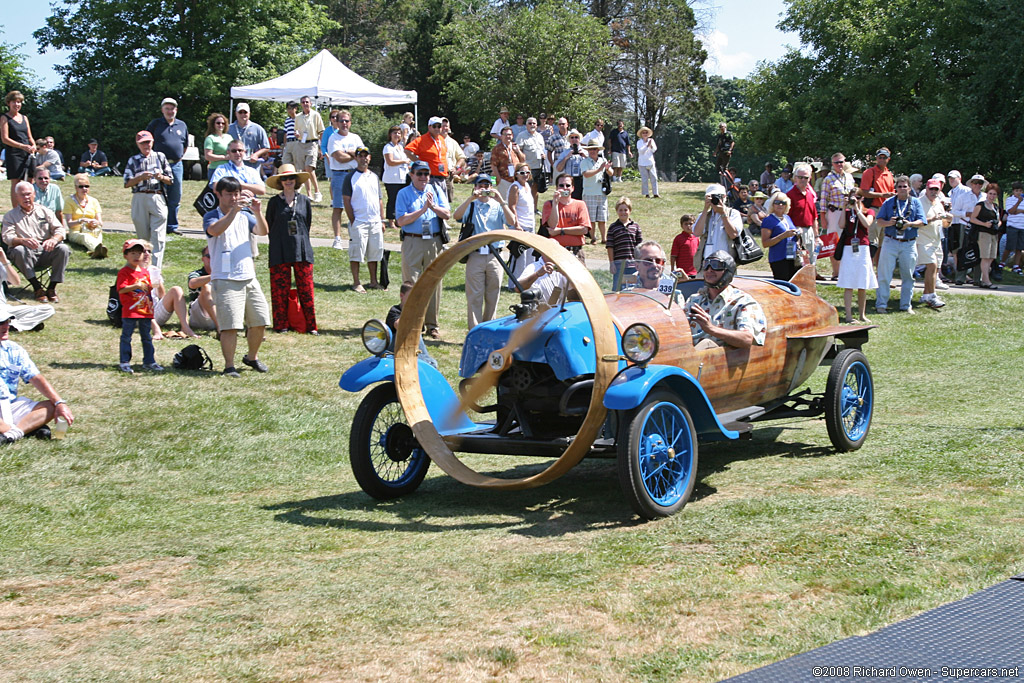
x=325 y=138
x=252 y=136
x=781 y=250
x=245 y=174
x=620 y=141
x=411 y=200
x=171 y=139
x=14 y=365
x=910 y=209
x=783 y=185
x=487 y=216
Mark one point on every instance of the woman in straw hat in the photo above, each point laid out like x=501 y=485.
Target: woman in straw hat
x=289 y=215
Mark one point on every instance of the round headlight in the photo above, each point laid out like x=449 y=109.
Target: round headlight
x=376 y=337
x=639 y=343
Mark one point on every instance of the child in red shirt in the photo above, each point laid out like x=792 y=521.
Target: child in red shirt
x=133 y=288
x=684 y=247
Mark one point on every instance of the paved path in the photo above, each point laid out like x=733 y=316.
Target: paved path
x=596 y=264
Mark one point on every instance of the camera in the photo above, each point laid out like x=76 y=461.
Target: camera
x=564 y=193
x=716 y=200
x=486 y=193
x=575 y=148
x=900 y=224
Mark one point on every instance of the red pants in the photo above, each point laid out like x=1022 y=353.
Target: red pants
x=281 y=284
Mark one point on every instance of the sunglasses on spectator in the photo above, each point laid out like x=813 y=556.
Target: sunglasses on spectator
x=420 y=174
x=779 y=202
x=803 y=177
x=522 y=173
x=714 y=264
x=653 y=262
x=286 y=178
x=84 y=187
x=836 y=162
x=344 y=120
x=566 y=187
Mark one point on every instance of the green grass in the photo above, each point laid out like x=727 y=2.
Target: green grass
x=196 y=528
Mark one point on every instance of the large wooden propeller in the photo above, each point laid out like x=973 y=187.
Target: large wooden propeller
x=407 y=382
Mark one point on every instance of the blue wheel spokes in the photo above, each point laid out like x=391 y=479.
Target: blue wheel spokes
x=856 y=401
x=664 y=478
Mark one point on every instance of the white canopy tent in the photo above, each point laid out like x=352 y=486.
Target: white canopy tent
x=328 y=82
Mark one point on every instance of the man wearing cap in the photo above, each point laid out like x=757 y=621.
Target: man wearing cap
x=308 y=126
x=483 y=211
x=35 y=238
x=421 y=209
x=500 y=123
x=364 y=208
x=900 y=217
x=341 y=152
x=237 y=295
x=432 y=148
x=964 y=199
x=147 y=174
x=252 y=135
x=94 y=162
x=20 y=415
x=784 y=183
x=504 y=157
x=876 y=185
x=720 y=314
x=929 y=240
x=718 y=224
x=170 y=138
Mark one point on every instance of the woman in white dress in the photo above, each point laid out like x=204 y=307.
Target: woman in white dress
x=520 y=199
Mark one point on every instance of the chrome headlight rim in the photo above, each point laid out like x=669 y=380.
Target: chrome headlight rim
x=640 y=343
x=376 y=337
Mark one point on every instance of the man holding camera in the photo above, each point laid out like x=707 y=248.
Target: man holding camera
x=483 y=211
x=564 y=219
x=900 y=217
x=835 y=201
x=718 y=224
x=237 y=295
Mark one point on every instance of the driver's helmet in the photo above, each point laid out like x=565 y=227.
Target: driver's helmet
x=721 y=260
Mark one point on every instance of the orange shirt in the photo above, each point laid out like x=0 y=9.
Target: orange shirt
x=569 y=215
x=432 y=150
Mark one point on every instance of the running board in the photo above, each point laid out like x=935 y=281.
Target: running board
x=739 y=420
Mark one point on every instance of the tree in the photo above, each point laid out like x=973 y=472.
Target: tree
x=937 y=87
x=13 y=74
x=130 y=54
x=414 y=55
x=659 y=71
x=541 y=59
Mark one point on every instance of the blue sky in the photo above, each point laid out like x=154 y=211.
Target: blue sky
x=741 y=34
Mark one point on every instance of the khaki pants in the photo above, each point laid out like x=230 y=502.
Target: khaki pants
x=149 y=214
x=483 y=285
x=417 y=254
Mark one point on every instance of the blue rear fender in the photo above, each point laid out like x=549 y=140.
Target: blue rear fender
x=631 y=387
x=441 y=400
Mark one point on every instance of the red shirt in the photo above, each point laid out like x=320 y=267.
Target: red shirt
x=136 y=303
x=684 y=248
x=803 y=210
x=875 y=180
x=569 y=215
x=431 y=150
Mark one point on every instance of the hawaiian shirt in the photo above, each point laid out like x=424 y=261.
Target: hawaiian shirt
x=732 y=309
x=14 y=365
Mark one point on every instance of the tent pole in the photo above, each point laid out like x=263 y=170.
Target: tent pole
x=416 y=114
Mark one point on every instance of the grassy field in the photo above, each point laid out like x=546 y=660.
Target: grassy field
x=192 y=527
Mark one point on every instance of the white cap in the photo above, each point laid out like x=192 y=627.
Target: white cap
x=714 y=189
x=954 y=174
x=434 y=121
x=169 y=100
x=242 y=106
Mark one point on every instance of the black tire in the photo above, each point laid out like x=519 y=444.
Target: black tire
x=849 y=400
x=657 y=458
x=386 y=459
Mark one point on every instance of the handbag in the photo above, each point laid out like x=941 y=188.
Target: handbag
x=467 y=229
x=969 y=256
x=296 y=320
x=747 y=250
x=829 y=245
x=206 y=201
x=606 y=183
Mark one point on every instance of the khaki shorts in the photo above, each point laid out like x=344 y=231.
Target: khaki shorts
x=240 y=304
x=300 y=154
x=988 y=245
x=197 y=318
x=365 y=242
x=160 y=314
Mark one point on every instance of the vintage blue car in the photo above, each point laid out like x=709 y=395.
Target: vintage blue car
x=592 y=372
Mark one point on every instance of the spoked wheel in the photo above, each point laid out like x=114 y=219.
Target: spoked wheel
x=657 y=463
x=386 y=459
x=849 y=400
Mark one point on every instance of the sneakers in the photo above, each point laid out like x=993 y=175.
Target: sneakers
x=932 y=301
x=42 y=433
x=173 y=230
x=256 y=364
x=126 y=368
x=909 y=311
x=153 y=367
x=317 y=198
x=337 y=243
x=941 y=285
x=230 y=372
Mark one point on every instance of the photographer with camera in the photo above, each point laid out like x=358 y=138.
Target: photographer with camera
x=718 y=225
x=483 y=211
x=571 y=163
x=900 y=217
x=985 y=222
x=929 y=240
x=564 y=219
x=834 y=201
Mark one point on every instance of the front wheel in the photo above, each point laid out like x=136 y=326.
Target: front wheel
x=386 y=459
x=657 y=459
x=849 y=400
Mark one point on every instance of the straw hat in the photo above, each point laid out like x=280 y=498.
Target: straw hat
x=274 y=181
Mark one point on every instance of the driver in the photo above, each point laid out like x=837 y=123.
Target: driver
x=720 y=314
x=650 y=264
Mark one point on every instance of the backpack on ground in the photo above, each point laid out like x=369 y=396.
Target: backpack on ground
x=192 y=357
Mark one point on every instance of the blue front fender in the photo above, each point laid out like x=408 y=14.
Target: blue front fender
x=630 y=388
x=442 y=403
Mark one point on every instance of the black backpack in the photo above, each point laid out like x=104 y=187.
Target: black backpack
x=192 y=357
x=114 y=307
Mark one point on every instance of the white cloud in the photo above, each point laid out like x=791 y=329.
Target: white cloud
x=724 y=62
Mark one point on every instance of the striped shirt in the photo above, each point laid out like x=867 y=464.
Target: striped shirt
x=289 y=129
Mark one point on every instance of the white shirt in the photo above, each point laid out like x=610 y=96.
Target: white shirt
x=498 y=125
x=533 y=148
x=545 y=283
x=365 y=197
x=645 y=151
x=963 y=201
x=524 y=208
x=395 y=174
x=1014 y=220
x=594 y=137
x=470 y=149
x=230 y=251
x=343 y=143
x=718 y=239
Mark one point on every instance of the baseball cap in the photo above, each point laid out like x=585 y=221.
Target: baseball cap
x=434 y=121
x=419 y=166
x=130 y=244
x=94 y=141
x=978 y=178
x=169 y=100
x=242 y=106
x=143 y=135
x=954 y=174
x=883 y=152
x=362 y=150
x=714 y=189
x=934 y=182
x=483 y=179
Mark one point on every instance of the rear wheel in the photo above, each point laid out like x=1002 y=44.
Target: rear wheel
x=657 y=460
x=386 y=459
x=849 y=400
